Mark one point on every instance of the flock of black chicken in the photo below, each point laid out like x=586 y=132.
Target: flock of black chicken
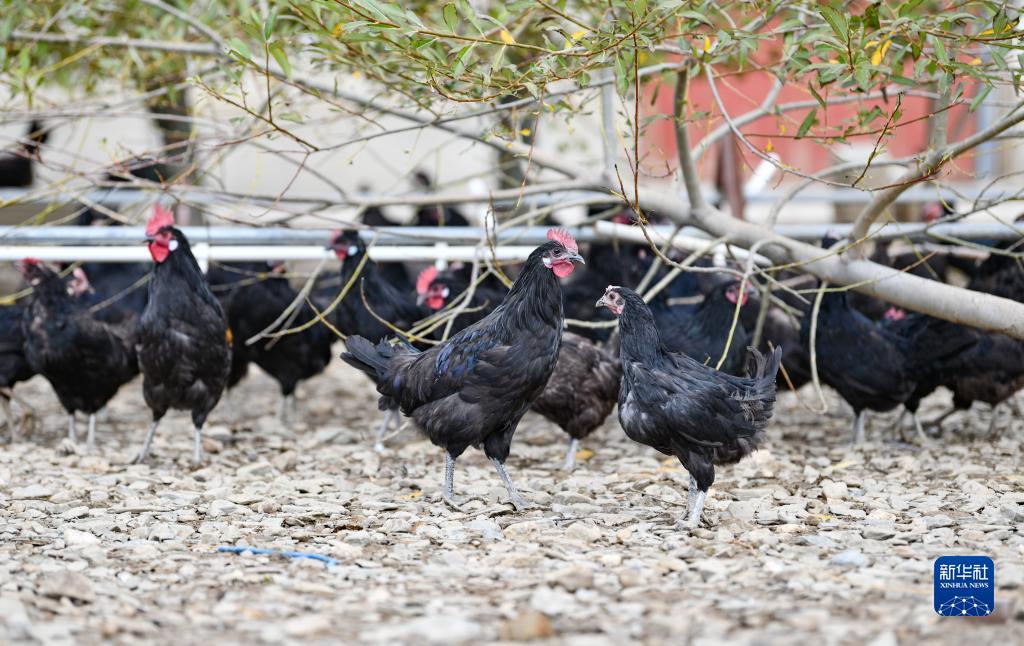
x=677 y=364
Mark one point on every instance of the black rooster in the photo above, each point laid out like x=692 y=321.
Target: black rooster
x=84 y=359
x=183 y=339
x=679 y=406
x=16 y=168
x=581 y=392
x=14 y=366
x=474 y=389
x=258 y=297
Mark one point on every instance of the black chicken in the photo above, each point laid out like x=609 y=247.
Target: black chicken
x=183 y=349
x=611 y=263
x=14 y=366
x=474 y=389
x=704 y=333
x=16 y=168
x=115 y=288
x=679 y=406
x=84 y=359
x=436 y=290
x=867 y=362
x=351 y=316
x=436 y=215
x=581 y=392
x=259 y=293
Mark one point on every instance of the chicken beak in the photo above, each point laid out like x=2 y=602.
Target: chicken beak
x=578 y=258
x=421 y=299
x=601 y=302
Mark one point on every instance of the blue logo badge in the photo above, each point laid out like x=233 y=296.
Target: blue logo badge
x=965 y=586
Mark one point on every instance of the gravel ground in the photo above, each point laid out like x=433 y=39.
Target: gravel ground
x=807 y=539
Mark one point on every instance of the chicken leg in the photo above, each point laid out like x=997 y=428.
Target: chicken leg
x=994 y=420
x=696 y=498
x=382 y=432
x=282 y=411
x=90 y=438
x=71 y=428
x=448 y=492
x=144 y=453
x=513 y=494
x=858 y=428
x=9 y=417
x=197 y=449
x=570 y=456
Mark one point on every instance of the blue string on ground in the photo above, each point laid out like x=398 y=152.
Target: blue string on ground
x=240 y=549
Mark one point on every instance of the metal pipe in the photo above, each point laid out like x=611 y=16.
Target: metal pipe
x=139 y=253
x=412 y=237
x=126 y=196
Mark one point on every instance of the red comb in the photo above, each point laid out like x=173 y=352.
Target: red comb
x=162 y=217
x=564 y=238
x=426 y=277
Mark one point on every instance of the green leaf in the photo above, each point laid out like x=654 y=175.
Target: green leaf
x=836 y=21
x=693 y=15
x=940 y=50
x=268 y=25
x=240 y=47
x=451 y=16
x=805 y=125
x=277 y=51
x=817 y=97
x=621 y=78
x=976 y=101
x=460 y=60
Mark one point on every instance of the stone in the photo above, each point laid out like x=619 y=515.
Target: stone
x=584 y=532
x=74 y=538
x=31 y=492
x=70 y=585
x=834 y=490
x=878 y=530
x=527 y=625
x=573 y=578
x=850 y=558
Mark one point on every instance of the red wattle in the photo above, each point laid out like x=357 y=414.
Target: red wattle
x=563 y=268
x=159 y=251
x=435 y=302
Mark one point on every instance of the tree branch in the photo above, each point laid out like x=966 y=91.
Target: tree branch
x=928 y=166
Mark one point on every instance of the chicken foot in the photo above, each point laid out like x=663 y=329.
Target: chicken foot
x=695 y=498
x=513 y=494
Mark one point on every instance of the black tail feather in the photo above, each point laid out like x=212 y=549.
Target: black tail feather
x=363 y=355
